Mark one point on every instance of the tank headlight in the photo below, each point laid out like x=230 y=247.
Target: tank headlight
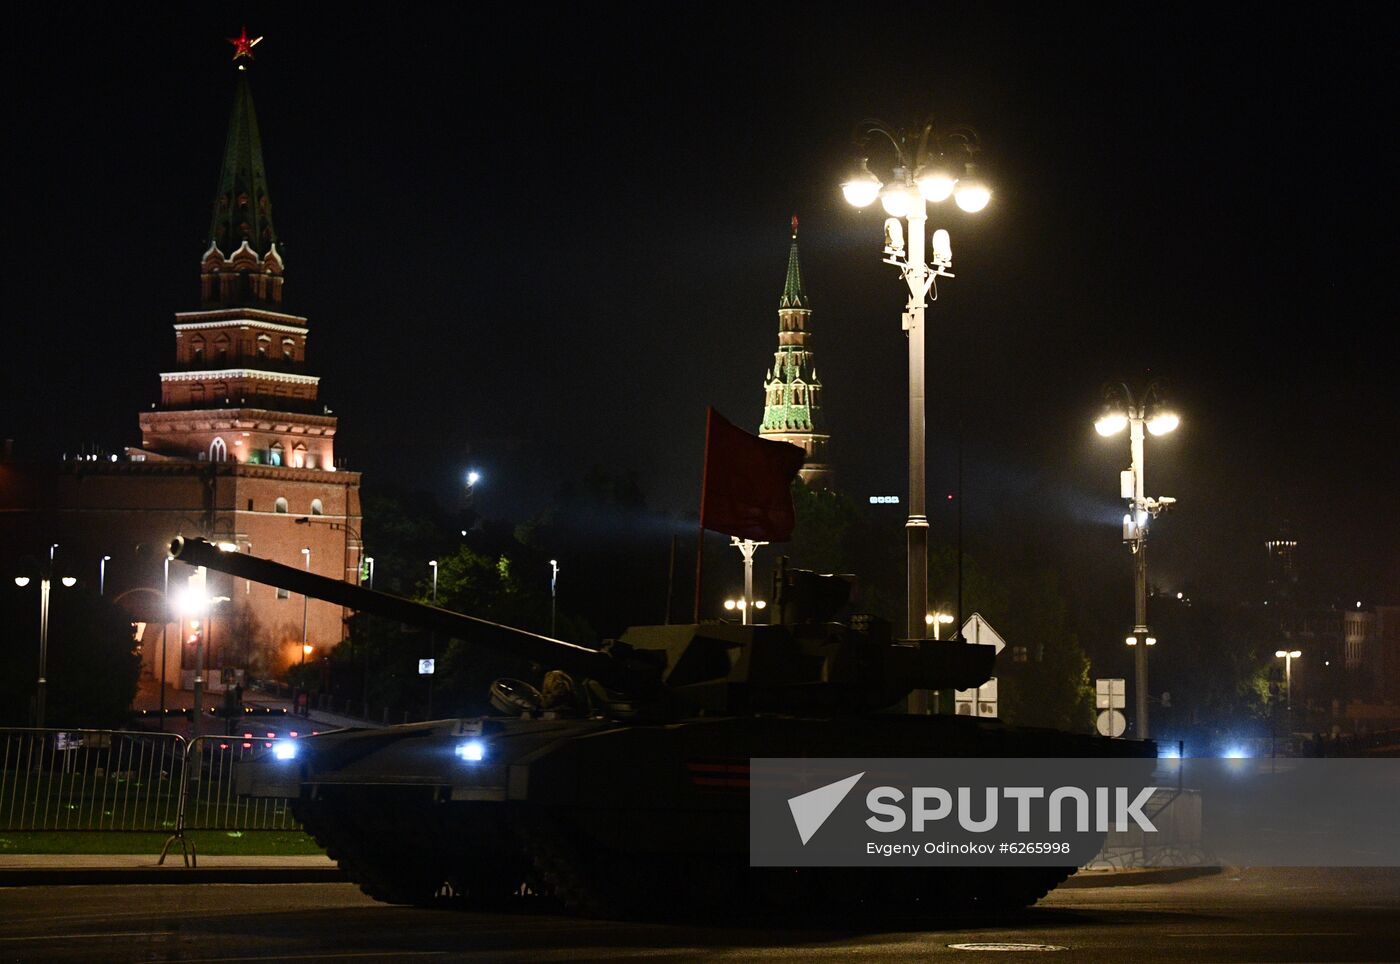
x=473 y=751
x=284 y=750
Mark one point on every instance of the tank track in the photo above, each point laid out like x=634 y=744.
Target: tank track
x=419 y=865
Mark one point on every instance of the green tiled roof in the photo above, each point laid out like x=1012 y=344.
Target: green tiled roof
x=242 y=207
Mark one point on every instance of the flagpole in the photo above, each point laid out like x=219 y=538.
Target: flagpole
x=700 y=541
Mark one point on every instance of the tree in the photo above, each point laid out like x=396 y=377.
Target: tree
x=93 y=661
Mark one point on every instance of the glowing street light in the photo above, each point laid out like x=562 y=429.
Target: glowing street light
x=744 y=607
x=553 y=586
x=432 y=637
x=1288 y=656
x=305 y=604
x=195 y=604
x=1144 y=413
x=937 y=621
x=928 y=167
x=44 y=573
x=102 y=575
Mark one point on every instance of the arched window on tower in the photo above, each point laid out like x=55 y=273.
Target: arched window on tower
x=274 y=454
x=317 y=508
x=280 y=505
x=218 y=451
x=264 y=343
x=299 y=456
x=221 y=351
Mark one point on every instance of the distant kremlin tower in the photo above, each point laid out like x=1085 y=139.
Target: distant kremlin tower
x=792 y=408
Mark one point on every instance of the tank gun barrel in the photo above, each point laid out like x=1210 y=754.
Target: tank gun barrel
x=552 y=653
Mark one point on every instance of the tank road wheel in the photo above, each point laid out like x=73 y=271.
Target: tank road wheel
x=999 y=889
x=394 y=875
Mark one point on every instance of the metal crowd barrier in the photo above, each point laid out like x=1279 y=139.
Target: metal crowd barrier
x=1178 y=841
x=116 y=781
x=76 y=780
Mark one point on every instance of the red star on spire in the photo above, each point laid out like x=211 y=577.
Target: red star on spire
x=243 y=45
x=794 y=227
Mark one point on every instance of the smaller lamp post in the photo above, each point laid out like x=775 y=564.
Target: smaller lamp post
x=195 y=604
x=1288 y=656
x=1141 y=414
x=305 y=604
x=102 y=575
x=45 y=577
x=432 y=637
x=553 y=588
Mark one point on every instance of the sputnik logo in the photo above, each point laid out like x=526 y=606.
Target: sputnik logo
x=810 y=809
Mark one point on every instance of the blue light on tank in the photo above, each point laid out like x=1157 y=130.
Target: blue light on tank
x=473 y=751
x=284 y=750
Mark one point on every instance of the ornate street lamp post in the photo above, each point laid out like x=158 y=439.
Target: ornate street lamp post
x=928 y=166
x=1145 y=413
x=45 y=575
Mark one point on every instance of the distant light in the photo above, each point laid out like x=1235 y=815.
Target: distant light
x=70 y=581
x=307 y=648
x=473 y=477
x=1162 y=423
x=1131 y=640
x=1179 y=595
x=1165 y=752
x=1235 y=752
x=729 y=604
x=284 y=750
x=21 y=581
x=1111 y=424
x=1358 y=604
x=884 y=500
x=1151 y=640
x=228 y=547
x=760 y=604
x=473 y=751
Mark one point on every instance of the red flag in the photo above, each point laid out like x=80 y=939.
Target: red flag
x=747 y=489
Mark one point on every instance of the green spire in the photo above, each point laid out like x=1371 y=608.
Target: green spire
x=242 y=207
x=793 y=294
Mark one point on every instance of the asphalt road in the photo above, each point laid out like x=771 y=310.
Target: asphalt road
x=1259 y=915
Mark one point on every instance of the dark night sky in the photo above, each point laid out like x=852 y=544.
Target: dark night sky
x=539 y=241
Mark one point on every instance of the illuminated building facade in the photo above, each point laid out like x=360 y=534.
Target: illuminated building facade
x=239 y=449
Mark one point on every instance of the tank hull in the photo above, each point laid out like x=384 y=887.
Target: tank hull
x=618 y=819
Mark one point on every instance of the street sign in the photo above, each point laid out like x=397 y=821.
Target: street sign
x=425 y=667
x=1110 y=694
x=983 y=700
x=978 y=630
x=1112 y=723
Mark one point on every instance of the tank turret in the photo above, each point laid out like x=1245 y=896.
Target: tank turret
x=806 y=663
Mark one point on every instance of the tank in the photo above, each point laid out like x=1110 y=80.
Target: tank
x=616 y=782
